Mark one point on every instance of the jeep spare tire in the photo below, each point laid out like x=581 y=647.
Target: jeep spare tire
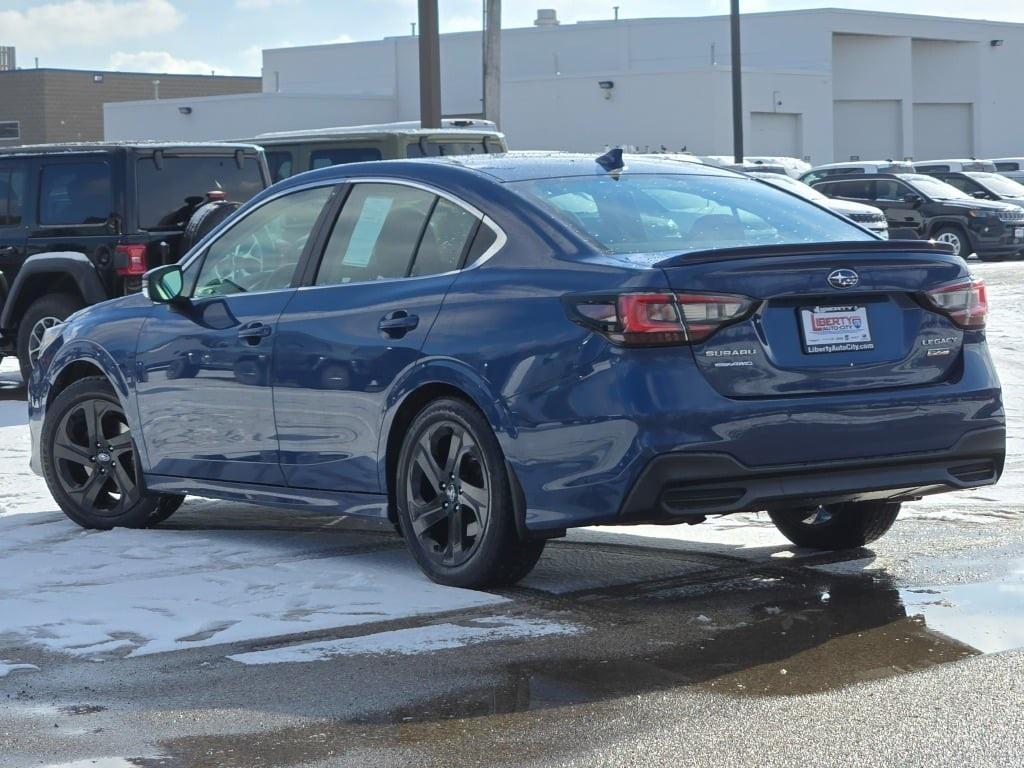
x=203 y=221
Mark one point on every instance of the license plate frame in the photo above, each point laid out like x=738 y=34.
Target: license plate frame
x=833 y=329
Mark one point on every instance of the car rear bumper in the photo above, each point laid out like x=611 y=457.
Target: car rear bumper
x=681 y=485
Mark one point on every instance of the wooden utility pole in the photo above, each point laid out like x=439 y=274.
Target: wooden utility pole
x=737 y=83
x=430 y=65
x=492 y=60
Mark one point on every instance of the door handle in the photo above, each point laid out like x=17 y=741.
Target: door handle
x=8 y=250
x=254 y=332
x=398 y=323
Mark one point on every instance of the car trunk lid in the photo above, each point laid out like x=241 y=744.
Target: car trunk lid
x=830 y=318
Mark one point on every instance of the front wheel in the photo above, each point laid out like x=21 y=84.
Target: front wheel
x=454 y=500
x=89 y=461
x=836 y=526
x=42 y=314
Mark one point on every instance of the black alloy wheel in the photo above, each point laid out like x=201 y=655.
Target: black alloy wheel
x=454 y=501
x=448 y=493
x=841 y=526
x=89 y=461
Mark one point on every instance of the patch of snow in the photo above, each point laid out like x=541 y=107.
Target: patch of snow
x=6 y=667
x=414 y=640
x=151 y=591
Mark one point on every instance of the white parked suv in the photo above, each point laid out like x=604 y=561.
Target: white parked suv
x=868 y=216
x=951 y=166
x=1011 y=167
x=829 y=170
x=791 y=166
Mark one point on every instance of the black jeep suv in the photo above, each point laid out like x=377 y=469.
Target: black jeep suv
x=80 y=223
x=936 y=210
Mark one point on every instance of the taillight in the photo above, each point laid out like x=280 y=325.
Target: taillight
x=965 y=302
x=658 y=319
x=131 y=260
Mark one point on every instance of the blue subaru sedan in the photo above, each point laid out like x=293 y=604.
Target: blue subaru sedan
x=487 y=351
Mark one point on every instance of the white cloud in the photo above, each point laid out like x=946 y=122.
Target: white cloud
x=256 y=4
x=91 y=22
x=161 y=61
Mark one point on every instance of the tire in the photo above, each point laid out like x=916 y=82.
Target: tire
x=954 y=236
x=166 y=506
x=89 y=464
x=837 y=526
x=450 y=438
x=42 y=312
x=205 y=218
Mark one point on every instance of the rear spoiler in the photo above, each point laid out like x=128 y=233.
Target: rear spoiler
x=806 y=249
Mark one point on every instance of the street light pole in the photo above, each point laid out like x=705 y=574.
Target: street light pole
x=430 y=65
x=737 y=83
x=492 y=60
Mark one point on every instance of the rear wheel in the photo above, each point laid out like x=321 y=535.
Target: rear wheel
x=454 y=500
x=89 y=461
x=837 y=526
x=43 y=313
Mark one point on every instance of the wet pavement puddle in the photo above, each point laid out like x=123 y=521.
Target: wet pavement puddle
x=801 y=632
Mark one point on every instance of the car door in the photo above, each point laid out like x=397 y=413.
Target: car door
x=892 y=195
x=387 y=264
x=203 y=365
x=14 y=204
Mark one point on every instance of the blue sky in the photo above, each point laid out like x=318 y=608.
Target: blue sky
x=227 y=35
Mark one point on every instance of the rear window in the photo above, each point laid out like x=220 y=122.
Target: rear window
x=430 y=148
x=680 y=214
x=323 y=158
x=169 y=195
x=76 y=193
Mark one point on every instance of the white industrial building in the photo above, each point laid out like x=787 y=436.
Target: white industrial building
x=822 y=84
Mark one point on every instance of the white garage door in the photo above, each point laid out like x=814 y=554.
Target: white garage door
x=942 y=130
x=774 y=133
x=867 y=130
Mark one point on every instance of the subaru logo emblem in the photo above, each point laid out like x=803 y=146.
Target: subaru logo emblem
x=843 y=278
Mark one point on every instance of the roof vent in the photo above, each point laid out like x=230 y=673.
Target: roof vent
x=546 y=17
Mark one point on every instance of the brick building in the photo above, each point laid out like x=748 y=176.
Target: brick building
x=55 y=105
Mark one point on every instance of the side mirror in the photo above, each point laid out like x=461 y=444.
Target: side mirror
x=913 y=200
x=980 y=195
x=163 y=285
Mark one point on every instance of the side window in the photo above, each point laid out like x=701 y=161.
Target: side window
x=857 y=190
x=376 y=234
x=13 y=189
x=444 y=240
x=76 y=193
x=889 y=191
x=322 y=158
x=482 y=241
x=262 y=250
x=964 y=185
x=281 y=164
x=1007 y=167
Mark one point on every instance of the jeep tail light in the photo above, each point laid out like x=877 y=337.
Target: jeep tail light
x=658 y=319
x=130 y=260
x=965 y=302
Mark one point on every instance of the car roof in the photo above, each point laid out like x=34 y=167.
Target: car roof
x=110 y=146
x=520 y=166
x=510 y=166
x=449 y=127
